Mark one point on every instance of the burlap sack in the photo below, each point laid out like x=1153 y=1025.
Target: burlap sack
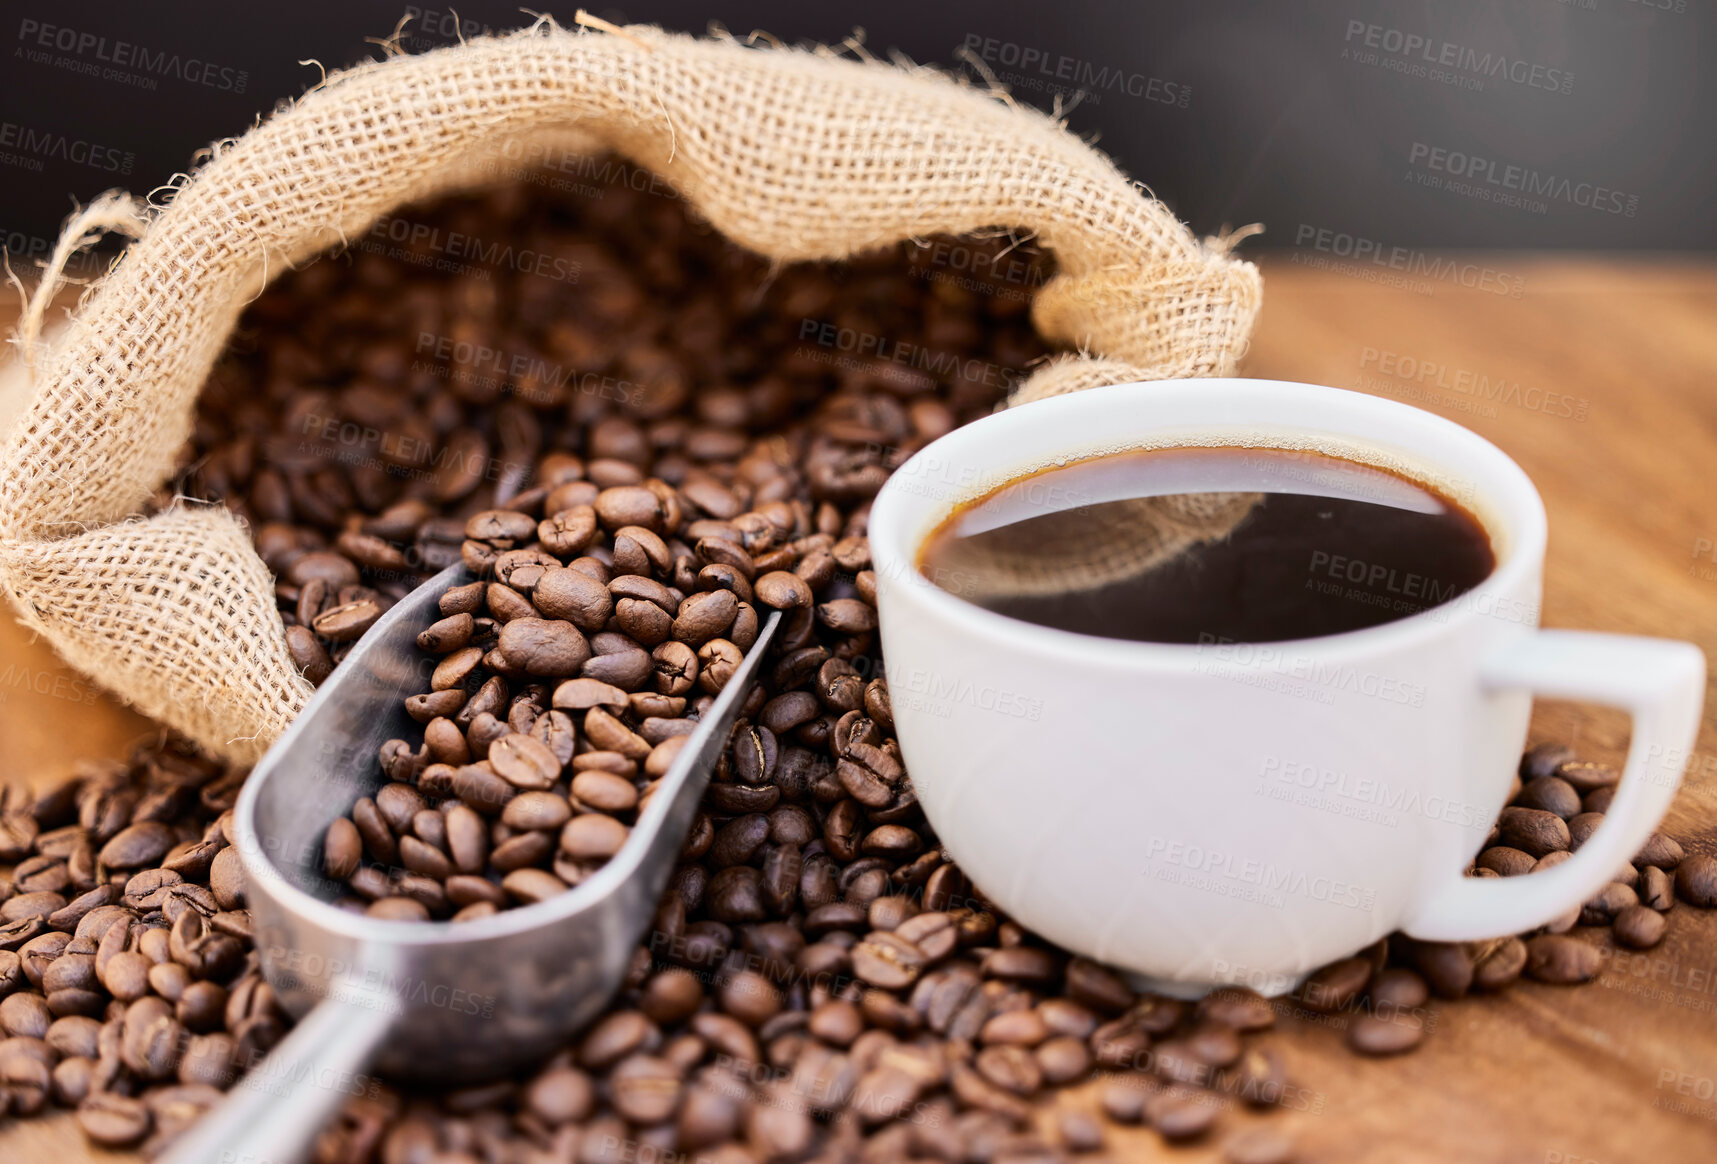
x=796 y=155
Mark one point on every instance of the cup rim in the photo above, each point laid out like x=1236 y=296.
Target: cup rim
x=1509 y=497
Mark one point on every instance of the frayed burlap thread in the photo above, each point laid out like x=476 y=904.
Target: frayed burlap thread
x=796 y=155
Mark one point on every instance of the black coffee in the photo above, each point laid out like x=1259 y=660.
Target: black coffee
x=1199 y=545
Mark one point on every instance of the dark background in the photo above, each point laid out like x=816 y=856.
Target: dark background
x=1284 y=122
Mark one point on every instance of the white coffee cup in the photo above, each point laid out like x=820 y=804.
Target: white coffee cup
x=1226 y=813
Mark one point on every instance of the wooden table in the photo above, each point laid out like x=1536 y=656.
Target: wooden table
x=1609 y=400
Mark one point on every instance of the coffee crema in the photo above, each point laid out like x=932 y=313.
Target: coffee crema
x=1193 y=545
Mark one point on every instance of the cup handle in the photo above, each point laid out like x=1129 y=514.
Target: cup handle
x=1662 y=684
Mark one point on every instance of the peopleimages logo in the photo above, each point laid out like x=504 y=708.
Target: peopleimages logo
x=459 y=248
x=1487 y=172
x=29 y=147
x=872 y=345
x=1038 y=69
x=1414 y=54
x=1466 y=382
x=1413 y=264
x=1235 y=659
x=1374 y=791
x=119 y=60
x=55 y=684
x=1248 y=878
x=940 y=691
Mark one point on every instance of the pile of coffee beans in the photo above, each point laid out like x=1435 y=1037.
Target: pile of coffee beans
x=129 y=987
x=820 y=983
x=535 y=736
x=909 y=1019
x=541 y=744
x=677 y=444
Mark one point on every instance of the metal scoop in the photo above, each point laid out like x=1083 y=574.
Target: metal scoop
x=456 y=1002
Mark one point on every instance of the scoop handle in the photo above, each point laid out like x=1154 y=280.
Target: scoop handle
x=274 y=1113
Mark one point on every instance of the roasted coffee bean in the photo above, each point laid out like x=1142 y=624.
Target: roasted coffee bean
x=1559 y=959
x=347 y=622
x=1179 y=1112
x=935 y=934
x=1639 y=927
x=1010 y=1068
x=31 y=907
x=1336 y=986
x=783 y=590
x=755 y=753
x=545 y=647
x=1696 y=881
x=1123 y=1097
x=574 y=596
x=560 y=1094
x=645 y=1089
x=501 y=528
x=468 y=837
x=1505 y=861
x=1023 y=964
x=1447 y=967
x=525 y=849
x=1656 y=888
x=398 y=804
x=524 y=762
x=74 y=911
x=738 y=841
x=1397 y=989
x=137 y=845
x=1599 y=799
x=592 y=837
x=1544 y=760
x=308 y=654
x=750 y=997
x=481 y=789
x=736 y=895
x=1096 y=986
x=1660 y=852
x=1608 y=902
x=1063 y=1059
x=718 y=659
x=1551 y=794
x=25 y=1016
x=447 y=635
x=1533 y=831
x=1063 y=1016
x=112 y=1120
x=584 y=694
x=888 y=961
x=625 y=505
x=1260 y=1145
x=529 y=886
x=1586 y=777
x=609 y=733
x=1017 y=1028
x=614 y=1037
x=671 y=996
x=481 y=734
x=1380 y=1034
